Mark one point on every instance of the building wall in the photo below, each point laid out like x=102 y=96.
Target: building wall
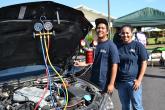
x=91 y=15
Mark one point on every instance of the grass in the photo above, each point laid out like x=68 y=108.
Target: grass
x=153 y=43
x=159 y=40
x=151 y=47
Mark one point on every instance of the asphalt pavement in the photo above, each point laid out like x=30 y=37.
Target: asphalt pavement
x=153 y=90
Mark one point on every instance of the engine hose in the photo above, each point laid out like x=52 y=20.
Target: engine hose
x=57 y=74
x=48 y=71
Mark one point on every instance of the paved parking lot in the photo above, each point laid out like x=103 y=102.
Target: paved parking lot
x=153 y=90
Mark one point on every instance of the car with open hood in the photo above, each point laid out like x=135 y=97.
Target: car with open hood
x=37 y=43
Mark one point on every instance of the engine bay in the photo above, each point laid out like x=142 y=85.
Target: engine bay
x=39 y=93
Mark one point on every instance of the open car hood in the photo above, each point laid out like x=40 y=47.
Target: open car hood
x=20 y=45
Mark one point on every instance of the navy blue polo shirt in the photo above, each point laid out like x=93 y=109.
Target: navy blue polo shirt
x=106 y=54
x=131 y=55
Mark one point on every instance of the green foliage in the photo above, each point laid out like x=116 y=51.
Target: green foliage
x=89 y=38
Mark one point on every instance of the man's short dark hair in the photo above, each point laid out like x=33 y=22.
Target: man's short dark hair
x=101 y=20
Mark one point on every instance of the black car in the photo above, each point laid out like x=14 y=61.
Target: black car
x=37 y=43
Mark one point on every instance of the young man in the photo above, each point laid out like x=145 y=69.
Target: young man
x=106 y=59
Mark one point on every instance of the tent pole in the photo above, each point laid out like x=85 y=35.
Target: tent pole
x=109 y=19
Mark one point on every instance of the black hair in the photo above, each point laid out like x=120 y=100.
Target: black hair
x=101 y=20
x=138 y=28
x=127 y=25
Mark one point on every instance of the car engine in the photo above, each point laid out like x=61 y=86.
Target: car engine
x=39 y=94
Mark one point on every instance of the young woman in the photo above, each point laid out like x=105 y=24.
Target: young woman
x=132 y=66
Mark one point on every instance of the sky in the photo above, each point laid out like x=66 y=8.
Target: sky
x=118 y=8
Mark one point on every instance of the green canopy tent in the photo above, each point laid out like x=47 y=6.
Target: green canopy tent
x=147 y=17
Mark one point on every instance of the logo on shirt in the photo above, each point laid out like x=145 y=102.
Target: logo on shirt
x=103 y=51
x=132 y=50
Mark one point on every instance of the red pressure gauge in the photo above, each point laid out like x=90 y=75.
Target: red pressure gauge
x=95 y=43
x=82 y=43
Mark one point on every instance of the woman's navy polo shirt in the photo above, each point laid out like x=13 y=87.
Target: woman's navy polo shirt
x=106 y=54
x=131 y=56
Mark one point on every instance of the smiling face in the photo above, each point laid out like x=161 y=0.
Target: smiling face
x=102 y=31
x=126 y=34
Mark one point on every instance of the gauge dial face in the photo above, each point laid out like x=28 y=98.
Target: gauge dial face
x=48 y=26
x=38 y=27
